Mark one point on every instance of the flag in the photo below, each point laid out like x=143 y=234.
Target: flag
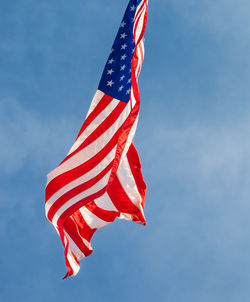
x=100 y=179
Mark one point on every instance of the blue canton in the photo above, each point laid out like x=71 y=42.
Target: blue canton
x=116 y=77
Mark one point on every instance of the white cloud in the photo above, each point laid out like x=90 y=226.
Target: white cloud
x=26 y=137
x=219 y=17
x=214 y=155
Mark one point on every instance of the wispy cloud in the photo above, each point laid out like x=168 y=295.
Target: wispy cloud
x=223 y=17
x=214 y=153
x=198 y=204
x=27 y=137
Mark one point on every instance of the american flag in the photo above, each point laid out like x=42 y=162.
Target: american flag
x=100 y=179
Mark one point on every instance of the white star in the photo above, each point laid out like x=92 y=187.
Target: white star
x=123 y=67
x=132 y=8
x=128 y=91
x=123 y=36
x=123 y=57
x=122 y=78
x=110 y=83
x=123 y=24
x=129 y=81
x=111 y=61
x=120 y=88
x=133 y=50
x=110 y=71
x=112 y=50
x=124 y=46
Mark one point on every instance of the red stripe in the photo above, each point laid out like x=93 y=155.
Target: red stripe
x=140 y=63
x=63 y=179
x=138 y=17
x=135 y=167
x=104 y=102
x=135 y=61
x=84 y=229
x=78 y=205
x=75 y=191
x=108 y=216
x=71 y=228
x=70 y=269
x=104 y=126
x=139 y=219
x=121 y=200
x=66 y=177
x=144 y=23
x=139 y=10
x=136 y=58
x=66 y=251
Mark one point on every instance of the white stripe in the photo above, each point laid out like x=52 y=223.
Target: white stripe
x=133 y=100
x=140 y=59
x=143 y=52
x=80 y=180
x=140 y=24
x=94 y=189
x=138 y=9
x=125 y=216
x=92 y=220
x=96 y=99
x=74 y=248
x=94 y=124
x=104 y=202
x=92 y=149
x=143 y=48
x=86 y=242
x=127 y=181
x=130 y=139
x=74 y=265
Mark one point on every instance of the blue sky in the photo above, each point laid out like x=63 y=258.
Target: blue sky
x=193 y=140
